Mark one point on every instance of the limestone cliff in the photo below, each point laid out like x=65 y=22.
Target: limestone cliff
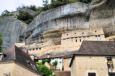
x=103 y=15
x=98 y=14
x=70 y=16
x=11 y=30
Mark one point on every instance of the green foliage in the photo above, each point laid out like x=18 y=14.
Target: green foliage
x=46 y=60
x=44 y=70
x=38 y=11
x=52 y=75
x=0 y=42
x=6 y=13
x=32 y=8
x=86 y=1
x=63 y=68
x=58 y=3
x=25 y=16
x=55 y=64
x=72 y=1
x=38 y=63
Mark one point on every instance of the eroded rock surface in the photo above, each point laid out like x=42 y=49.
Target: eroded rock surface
x=98 y=14
x=11 y=30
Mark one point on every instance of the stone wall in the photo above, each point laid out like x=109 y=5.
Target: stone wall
x=6 y=69
x=20 y=70
x=14 y=69
x=70 y=41
x=82 y=65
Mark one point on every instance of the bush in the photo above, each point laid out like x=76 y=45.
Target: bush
x=44 y=70
x=46 y=60
x=38 y=63
x=52 y=75
x=86 y=1
x=55 y=64
x=32 y=8
x=25 y=16
x=6 y=13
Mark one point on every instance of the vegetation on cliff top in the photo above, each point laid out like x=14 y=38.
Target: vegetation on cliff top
x=27 y=17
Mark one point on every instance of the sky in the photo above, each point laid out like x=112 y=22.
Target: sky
x=11 y=5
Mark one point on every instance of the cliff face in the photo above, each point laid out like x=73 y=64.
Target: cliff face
x=11 y=29
x=70 y=16
x=103 y=15
x=98 y=14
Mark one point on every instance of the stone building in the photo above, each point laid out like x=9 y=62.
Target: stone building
x=15 y=62
x=62 y=41
x=95 y=58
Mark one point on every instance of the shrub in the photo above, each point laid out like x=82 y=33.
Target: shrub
x=44 y=70
x=46 y=60
x=6 y=13
x=55 y=64
x=25 y=16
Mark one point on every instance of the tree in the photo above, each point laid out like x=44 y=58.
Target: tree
x=44 y=70
x=86 y=1
x=6 y=13
x=33 y=8
x=46 y=60
x=55 y=64
x=0 y=42
x=25 y=16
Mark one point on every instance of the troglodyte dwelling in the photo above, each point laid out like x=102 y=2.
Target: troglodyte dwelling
x=15 y=62
x=94 y=58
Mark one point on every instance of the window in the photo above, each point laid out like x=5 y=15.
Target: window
x=98 y=37
x=36 y=48
x=91 y=74
x=111 y=74
x=39 y=48
x=80 y=40
x=76 y=40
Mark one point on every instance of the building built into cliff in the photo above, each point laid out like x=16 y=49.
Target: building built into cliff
x=62 y=41
x=65 y=27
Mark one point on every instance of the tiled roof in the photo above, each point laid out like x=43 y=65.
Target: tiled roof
x=16 y=54
x=52 y=55
x=97 y=48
